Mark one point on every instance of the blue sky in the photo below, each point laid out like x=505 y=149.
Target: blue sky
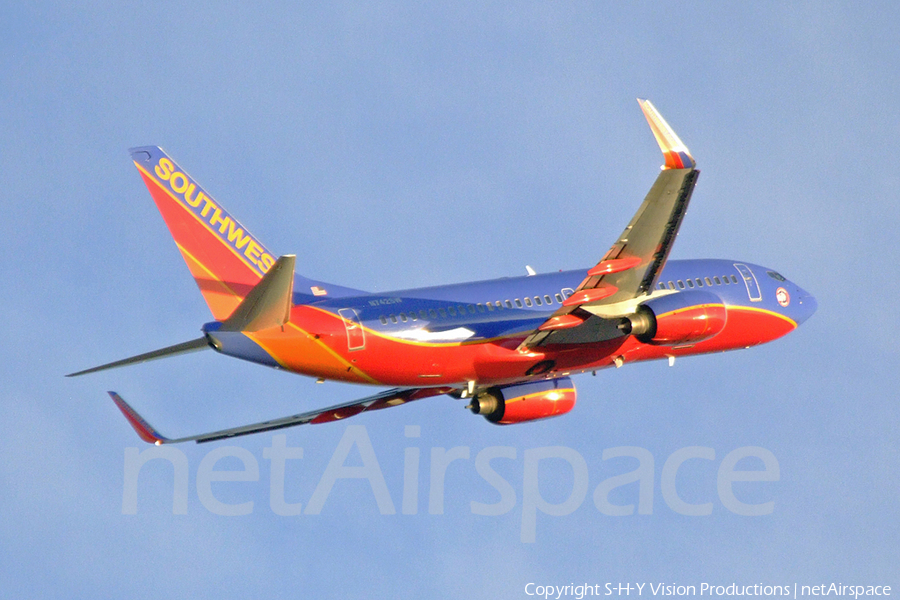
x=393 y=146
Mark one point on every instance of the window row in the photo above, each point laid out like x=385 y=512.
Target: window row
x=689 y=283
x=460 y=310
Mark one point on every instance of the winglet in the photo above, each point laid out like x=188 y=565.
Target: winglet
x=144 y=429
x=675 y=152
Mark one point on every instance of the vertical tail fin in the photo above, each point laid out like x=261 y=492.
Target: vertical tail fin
x=226 y=260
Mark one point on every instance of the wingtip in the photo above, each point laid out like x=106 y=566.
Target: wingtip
x=144 y=430
x=676 y=154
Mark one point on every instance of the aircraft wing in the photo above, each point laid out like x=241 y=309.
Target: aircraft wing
x=630 y=268
x=394 y=397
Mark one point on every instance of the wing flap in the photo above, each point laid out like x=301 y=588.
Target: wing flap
x=648 y=237
x=630 y=267
x=387 y=399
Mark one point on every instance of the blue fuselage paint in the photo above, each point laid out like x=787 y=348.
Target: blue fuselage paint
x=465 y=305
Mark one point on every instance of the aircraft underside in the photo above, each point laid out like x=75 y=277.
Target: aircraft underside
x=321 y=349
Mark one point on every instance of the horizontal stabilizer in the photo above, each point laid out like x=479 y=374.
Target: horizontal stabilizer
x=192 y=346
x=268 y=304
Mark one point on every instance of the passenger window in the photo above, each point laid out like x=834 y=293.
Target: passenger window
x=690 y=283
x=681 y=284
x=489 y=306
x=708 y=282
x=423 y=314
x=480 y=307
x=558 y=298
x=393 y=319
x=498 y=304
x=462 y=310
x=671 y=285
x=383 y=320
x=443 y=313
x=717 y=280
x=734 y=278
x=699 y=282
x=509 y=304
x=412 y=315
x=527 y=301
x=726 y=280
x=662 y=285
x=471 y=308
x=403 y=317
x=537 y=300
x=548 y=299
x=432 y=313
x=452 y=311
x=518 y=303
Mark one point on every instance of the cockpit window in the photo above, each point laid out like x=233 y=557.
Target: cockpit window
x=775 y=276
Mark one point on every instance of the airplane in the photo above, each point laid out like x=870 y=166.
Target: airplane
x=509 y=346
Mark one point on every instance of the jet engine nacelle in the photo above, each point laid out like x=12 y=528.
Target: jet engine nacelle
x=525 y=401
x=677 y=319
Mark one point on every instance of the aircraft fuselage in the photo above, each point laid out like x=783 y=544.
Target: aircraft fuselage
x=456 y=333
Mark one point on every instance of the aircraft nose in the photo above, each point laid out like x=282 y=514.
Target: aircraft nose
x=806 y=303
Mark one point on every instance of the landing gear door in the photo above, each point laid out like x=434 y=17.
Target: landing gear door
x=356 y=337
x=749 y=281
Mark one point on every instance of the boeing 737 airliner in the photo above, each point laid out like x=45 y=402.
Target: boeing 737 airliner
x=509 y=346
